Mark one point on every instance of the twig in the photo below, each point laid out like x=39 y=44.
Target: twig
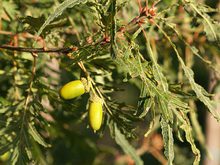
x=37 y=50
x=123 y=29
x=6 y=32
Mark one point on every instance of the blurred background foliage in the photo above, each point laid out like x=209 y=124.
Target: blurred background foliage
x=139 y=59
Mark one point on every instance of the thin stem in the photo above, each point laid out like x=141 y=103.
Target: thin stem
x=31 y=81
x=139 y=4
x=94 y=88
x=27 y=100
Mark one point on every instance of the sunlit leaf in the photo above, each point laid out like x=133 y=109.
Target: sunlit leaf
x=59 y=10
x=127 y=148
x=37 y=137
x=167 y=133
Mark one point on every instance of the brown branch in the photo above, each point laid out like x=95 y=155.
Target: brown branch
x=37 y=50
x=129 y=27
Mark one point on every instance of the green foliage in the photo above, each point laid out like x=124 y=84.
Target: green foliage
x=110 y=43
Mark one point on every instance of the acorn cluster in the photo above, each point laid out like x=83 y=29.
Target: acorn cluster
x=77 y=88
